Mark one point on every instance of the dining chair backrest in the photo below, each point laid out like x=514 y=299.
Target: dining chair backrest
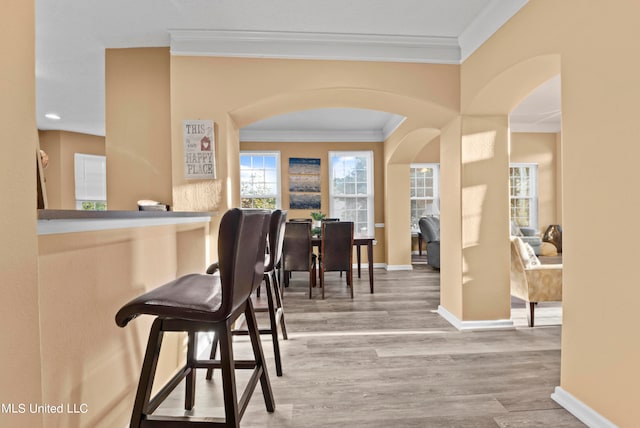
x=300 y=220
x=242 y=237
x=276 y=239
x=337 y=245
x=297 y=248
x=330 y=219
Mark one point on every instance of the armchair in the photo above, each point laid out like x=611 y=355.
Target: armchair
x=527 y=234
x=531 y=281
x=430 y=230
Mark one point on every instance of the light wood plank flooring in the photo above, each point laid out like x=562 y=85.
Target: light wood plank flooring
x=388 y=360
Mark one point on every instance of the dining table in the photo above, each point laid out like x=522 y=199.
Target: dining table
x=358 y=242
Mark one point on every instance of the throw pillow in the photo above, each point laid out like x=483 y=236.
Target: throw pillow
x=529 y=258
x=548 y=249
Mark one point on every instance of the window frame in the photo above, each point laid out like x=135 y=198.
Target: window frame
x=533 y=185
x=89 y=195
x=276 y=153
x=370 y=194
x=436 y=188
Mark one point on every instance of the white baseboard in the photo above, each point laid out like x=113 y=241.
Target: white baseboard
x=577 y=408
x=474 y=325
x=365 y=266
x=399 y=267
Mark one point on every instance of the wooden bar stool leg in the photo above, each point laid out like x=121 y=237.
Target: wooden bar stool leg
x=232 y=417
x=254 y=335
x=147 y=374
x=212 y=355
x=190 y=387
x=274 y=324
x=279 y=306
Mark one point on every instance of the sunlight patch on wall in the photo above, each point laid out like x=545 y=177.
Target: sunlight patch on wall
x=478 y=147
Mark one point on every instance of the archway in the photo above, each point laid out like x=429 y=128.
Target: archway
x=475 y=155
x=422 y=119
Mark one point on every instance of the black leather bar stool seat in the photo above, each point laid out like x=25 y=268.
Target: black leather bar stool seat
x=207 y=303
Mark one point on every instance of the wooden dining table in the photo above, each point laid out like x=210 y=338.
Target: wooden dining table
x=358 y=242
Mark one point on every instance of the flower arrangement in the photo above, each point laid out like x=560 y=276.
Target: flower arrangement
x=317 y=215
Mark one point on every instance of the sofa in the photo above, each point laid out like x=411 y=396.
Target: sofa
x=430 y=231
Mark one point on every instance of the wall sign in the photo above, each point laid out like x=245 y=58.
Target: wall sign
x=199 y=149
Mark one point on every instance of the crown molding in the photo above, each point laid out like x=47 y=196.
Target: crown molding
x=308 y=45
x=310 y=136
x=322 y=135
x=486 y=24
x=390 y=127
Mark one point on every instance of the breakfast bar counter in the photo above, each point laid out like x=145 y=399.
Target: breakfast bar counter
x=89 y=265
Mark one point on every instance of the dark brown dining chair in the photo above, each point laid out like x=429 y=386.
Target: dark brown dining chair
x=336 y=250
x=274 y=306
x=204 y=303
x=297 y=252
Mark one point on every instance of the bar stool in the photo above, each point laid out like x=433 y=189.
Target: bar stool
x=274 y=307
x=204 y=303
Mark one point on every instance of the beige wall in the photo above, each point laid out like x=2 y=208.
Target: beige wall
x=321 y=151
x=138 y=127
x=451 y=207
x=600 y=126
x=61 y=147
x=474 y=218
x=84 y=279
x=430 y=153
x=541 y=149
x=243 y=91
x=19 y=323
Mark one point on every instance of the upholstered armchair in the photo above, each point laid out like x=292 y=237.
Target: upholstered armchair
x=529 y=235
x=430 y=230
x=532 y=281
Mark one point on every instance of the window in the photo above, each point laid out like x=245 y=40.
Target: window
x=260 y=180
x=523 y=191
x=351 y=189
x=91 y=182
x=425 y=192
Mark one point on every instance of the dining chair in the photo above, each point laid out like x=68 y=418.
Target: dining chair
x=336 y=251
x=203 y=303
x=297 y=252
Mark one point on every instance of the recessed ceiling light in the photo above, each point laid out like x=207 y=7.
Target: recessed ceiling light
x=52 y=116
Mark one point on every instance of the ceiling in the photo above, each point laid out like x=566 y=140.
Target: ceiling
x=71 y=36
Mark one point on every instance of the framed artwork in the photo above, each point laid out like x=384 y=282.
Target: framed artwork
x=304 y=201
x=304 y=183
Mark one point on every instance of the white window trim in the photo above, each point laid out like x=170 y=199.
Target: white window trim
x=278 y=173
x=370 y=185
x=533 y=214
x=87 y=191
x=436 y=183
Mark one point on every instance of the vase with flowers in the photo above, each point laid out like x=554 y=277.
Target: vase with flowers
x=317 y=217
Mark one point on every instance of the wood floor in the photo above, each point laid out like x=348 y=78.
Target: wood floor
x=388 y=360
